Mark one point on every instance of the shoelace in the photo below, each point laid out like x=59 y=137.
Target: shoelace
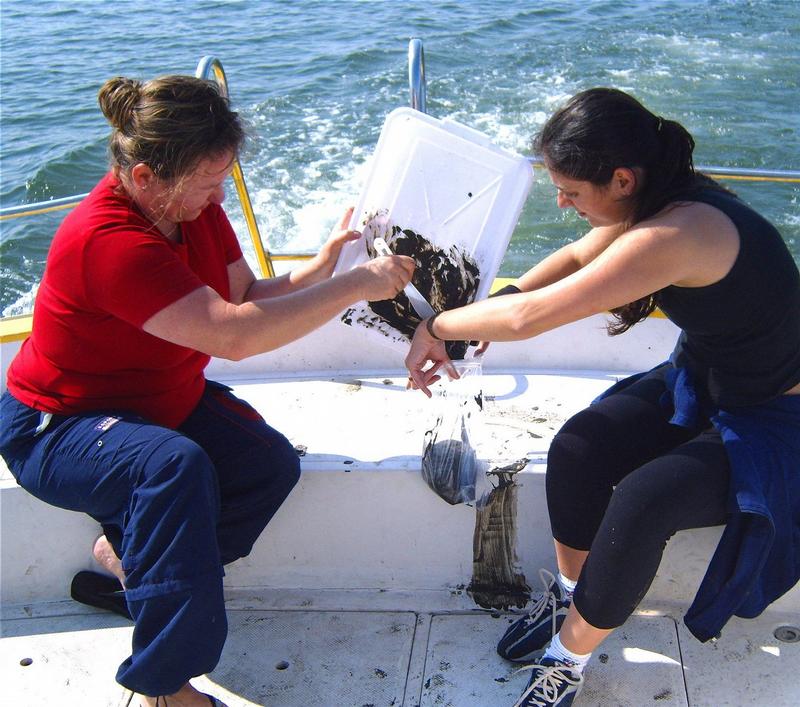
x=546 y=688
x=543 y=599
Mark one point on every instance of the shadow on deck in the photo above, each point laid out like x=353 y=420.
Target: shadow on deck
x=332 y=655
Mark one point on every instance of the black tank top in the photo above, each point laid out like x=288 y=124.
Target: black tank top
x=741 y=335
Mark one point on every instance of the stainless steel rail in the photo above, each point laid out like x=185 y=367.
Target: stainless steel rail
x=417 y=85
x=416 y=76
x=741 y=173
x=41 y=207
x=751 y=175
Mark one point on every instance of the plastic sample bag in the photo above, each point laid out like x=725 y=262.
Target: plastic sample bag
x=449 y=460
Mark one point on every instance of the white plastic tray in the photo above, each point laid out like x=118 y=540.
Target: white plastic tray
x=444 y=181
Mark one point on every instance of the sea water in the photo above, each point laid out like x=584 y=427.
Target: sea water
x=315 y=81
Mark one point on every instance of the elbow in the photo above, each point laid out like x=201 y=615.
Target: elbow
x=242 y=335
x=519 y=328
x=233 y=355
x=226 y=353
x=231 y=348
x=524 y=323
x=232 y=337
x=238 y=348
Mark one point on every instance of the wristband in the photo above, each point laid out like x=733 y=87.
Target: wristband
x=429 y=326
x=507 y=290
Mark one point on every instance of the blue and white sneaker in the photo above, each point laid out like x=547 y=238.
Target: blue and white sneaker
x=552 y=684
x=526 y=638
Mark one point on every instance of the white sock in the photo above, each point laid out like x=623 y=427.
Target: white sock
x=567 y=587
x=557 y=651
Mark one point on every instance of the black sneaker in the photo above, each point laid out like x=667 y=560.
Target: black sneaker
x=526 y=638
x=552 y=684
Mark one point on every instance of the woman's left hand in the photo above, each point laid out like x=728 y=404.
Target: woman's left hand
x=325 y=260
x=425 y=348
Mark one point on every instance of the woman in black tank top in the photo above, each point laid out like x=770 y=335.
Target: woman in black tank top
x=629 y=472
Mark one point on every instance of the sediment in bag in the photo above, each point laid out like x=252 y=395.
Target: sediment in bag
x=449 y=466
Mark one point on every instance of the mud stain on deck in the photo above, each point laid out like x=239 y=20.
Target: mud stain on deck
x=497 y=578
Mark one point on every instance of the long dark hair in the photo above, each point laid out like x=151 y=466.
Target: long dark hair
x=602 y=129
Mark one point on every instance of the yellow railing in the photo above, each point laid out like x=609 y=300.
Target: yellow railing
x=15 y=328
x=207 y=67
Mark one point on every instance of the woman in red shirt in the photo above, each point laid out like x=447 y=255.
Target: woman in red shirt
x=108 y=411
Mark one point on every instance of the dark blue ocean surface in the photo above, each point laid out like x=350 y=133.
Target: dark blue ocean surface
x=315 y=81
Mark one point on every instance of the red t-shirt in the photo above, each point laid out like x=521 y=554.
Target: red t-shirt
x=108 y=271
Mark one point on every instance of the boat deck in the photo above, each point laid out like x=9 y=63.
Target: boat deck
x=357 y=648
x=359 y=593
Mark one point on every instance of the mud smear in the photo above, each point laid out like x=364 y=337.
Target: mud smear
x=497 y=580
x=447 y=278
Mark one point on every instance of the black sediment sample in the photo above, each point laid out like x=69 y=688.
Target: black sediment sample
x=447 y=278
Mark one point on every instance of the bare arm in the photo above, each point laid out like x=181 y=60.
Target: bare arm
x=246 y=288
x=204 y=321
x=567 y=259
x=690 y=246
x=564 y=262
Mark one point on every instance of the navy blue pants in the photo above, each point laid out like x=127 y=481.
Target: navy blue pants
x=176 y=505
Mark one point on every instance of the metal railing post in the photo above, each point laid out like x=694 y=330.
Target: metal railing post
x=416 y=76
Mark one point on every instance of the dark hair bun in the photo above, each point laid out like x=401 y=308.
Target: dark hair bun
x=118 y=98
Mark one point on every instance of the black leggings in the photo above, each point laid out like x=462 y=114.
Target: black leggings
x=621 y=480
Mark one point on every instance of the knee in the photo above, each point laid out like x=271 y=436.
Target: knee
x=288 y=463
x=637 y=504
x=576 y=450
x=179 y=468
x=272 y=469
x=284 y=468
x=280 y=463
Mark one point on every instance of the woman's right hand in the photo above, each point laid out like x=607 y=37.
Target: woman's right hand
x=383 y=277
x=426 y=349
